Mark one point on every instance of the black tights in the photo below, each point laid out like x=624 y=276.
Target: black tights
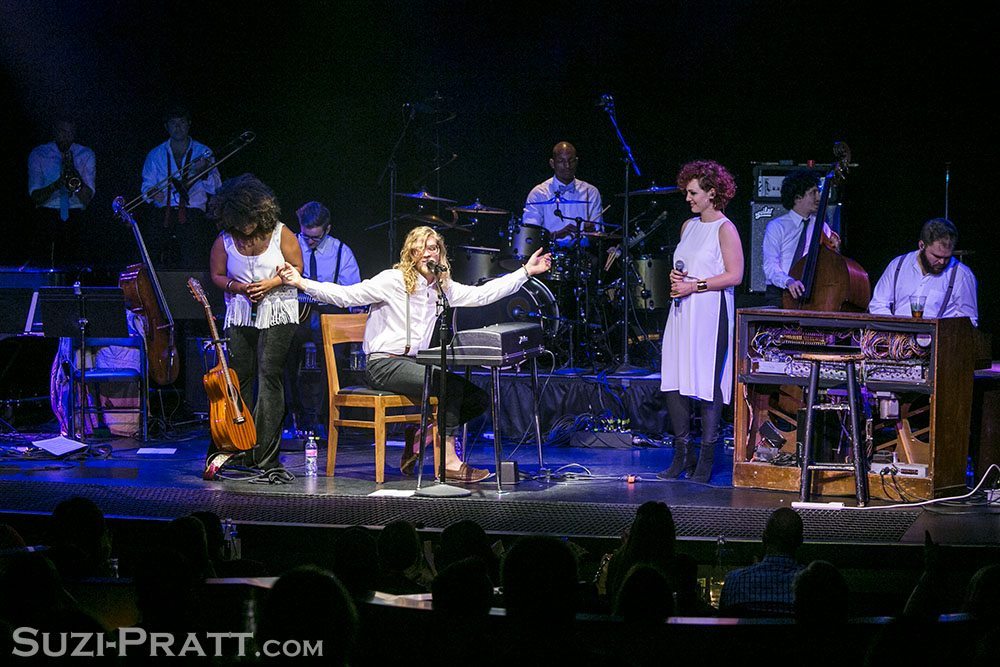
x=680 y=407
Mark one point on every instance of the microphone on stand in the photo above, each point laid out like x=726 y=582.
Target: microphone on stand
x=435 y=267
x=678 y=266
x=605 y=101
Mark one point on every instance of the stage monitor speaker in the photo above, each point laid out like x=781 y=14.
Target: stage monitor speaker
x=182 y=305
x=11 y=276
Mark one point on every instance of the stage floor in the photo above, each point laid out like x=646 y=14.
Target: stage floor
x=591 y=493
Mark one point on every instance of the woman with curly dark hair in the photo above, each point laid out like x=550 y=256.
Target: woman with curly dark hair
x=697 y=356
x=261 y=313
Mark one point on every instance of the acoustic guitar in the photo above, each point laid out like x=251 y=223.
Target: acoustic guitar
x=230 y=422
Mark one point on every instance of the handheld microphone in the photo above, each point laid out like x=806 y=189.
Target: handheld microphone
x=678 y=266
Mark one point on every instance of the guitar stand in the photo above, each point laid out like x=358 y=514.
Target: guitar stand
x=215 y=463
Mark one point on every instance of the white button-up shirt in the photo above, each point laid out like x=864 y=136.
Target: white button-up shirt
x=913 y=282
x=45 y=166
x=160 y=163
x=326 y=262
x=386 y=330
x=544 y=215
x=781 y=238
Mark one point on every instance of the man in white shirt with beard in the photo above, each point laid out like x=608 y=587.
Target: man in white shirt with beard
x=932 y=272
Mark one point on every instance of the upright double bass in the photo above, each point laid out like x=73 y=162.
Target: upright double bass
x=144 y=297
x=832 y=282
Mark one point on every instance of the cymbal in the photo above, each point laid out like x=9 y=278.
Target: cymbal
x=478 y=209
x=425 y=196
x=654 y=190
x=434 y=221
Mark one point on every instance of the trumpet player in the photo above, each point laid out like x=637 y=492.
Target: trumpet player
x=178 y=179
x=61 y=177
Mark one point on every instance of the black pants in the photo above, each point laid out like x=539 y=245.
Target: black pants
x=403 y=375
x=773 y=295
x=680 y=407
x=258 y=356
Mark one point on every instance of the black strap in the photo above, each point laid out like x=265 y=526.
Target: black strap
x=951 y=286
x=336 y=272
x=895 y=279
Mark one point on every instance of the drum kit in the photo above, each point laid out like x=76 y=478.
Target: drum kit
x=578 y=301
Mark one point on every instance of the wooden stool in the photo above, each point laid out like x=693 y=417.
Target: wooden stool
x=860 y=463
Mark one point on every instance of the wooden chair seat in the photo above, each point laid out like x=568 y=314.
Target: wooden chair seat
x=350 y=328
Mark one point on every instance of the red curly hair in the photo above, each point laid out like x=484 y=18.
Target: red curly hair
x=710 y=175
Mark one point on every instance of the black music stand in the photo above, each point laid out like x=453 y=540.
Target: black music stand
x=82 y=313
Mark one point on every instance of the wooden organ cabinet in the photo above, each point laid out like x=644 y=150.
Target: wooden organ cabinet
x=917 y=387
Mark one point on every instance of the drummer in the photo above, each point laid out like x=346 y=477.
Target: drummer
x=558 y=203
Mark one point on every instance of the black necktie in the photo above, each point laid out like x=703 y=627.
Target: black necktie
x=800 y=248
x=312 y=264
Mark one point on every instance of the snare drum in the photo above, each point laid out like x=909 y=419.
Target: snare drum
x=566 y=268
x=472 y=265
x=523 y=241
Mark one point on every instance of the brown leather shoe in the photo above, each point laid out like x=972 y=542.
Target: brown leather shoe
x=466 y=475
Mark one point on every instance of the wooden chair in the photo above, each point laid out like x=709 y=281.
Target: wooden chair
x=338 y=329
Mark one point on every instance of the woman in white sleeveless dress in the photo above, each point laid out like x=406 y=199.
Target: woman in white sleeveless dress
x=262 y=314
x=697 y=356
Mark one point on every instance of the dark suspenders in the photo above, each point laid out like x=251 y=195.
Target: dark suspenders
x=947 y=294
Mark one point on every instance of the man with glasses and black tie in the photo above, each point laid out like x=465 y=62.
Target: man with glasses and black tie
x=325 y=259
x=786 y=237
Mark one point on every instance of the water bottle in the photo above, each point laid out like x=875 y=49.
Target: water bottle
x=312 y=454
x=231 y=550
x=310 y=356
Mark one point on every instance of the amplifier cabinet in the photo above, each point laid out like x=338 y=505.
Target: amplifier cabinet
x=917 y=387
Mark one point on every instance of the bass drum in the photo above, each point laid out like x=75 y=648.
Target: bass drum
x=534 y=302
x=472 y=265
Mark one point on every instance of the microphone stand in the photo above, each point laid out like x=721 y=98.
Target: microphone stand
x=441 y=489
x=625 y=368
x=582 y=305
x=390 y=167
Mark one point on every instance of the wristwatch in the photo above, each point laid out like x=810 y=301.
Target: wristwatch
x=702 y=286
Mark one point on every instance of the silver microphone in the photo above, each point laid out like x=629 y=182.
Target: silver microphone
x=678 y=266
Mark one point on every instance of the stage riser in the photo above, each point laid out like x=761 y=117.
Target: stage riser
x=641 y=402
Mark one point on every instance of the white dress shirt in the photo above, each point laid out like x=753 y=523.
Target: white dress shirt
x=387 y=322
x=326 y=262
x=544 y=215
x=160 y=163
x=781 y=238
x=913 y=282
x=45 y=166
